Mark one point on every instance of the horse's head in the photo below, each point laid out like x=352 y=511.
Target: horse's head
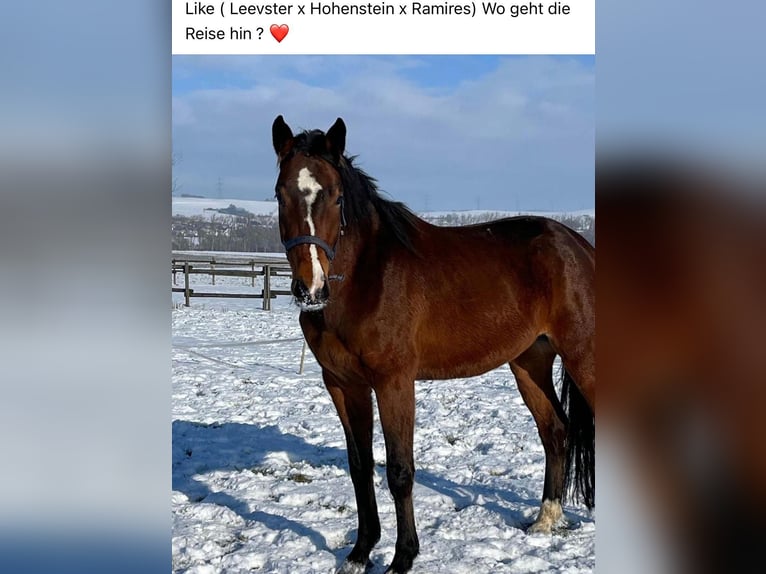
x=310 y=196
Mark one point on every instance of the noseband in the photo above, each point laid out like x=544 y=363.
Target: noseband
x=314 y=240
x=311 y=239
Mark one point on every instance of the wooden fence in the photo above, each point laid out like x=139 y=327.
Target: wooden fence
x=229 y=265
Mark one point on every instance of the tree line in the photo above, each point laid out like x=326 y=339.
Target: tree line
x=585 y=225
x=252 y=233
x=260 y=233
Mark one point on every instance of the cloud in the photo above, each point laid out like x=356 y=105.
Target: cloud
x=517 y=134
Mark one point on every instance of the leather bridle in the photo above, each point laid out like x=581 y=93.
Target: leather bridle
x=314 y=240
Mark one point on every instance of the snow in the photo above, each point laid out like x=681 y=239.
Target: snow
x=197 y=206
x=259 y=471
x=487 y=214
x=226 y=255
x=203 y=206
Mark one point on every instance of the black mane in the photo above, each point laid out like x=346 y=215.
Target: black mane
x=361 y=194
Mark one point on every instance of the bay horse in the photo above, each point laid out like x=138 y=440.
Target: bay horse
x=387 y=298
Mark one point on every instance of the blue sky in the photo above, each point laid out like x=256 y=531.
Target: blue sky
x=438 y=132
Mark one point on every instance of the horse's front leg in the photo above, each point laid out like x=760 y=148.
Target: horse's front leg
x=354 y=406
x=396 y=403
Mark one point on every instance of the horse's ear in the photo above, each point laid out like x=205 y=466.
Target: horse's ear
x=282 y=137
x=336 y=138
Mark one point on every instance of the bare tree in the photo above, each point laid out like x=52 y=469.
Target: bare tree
x=175 y=187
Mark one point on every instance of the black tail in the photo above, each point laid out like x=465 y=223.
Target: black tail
x=580 y=471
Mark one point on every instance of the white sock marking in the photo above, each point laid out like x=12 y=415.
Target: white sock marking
x=311 y=187
x=549 y=517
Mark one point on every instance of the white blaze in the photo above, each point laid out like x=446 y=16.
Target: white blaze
x=311 y=187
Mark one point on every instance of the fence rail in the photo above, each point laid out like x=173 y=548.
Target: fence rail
x=229 y=265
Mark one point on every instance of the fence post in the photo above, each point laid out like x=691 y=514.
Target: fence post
x=303 y=356
x=186 y=282
x=173 y=263
x=212 y=269
x=267 y=287
x=252 y=267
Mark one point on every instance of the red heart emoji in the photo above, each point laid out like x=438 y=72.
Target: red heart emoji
x=279 y=32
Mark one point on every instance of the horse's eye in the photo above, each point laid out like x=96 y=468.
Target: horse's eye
x=278 y=197
x=340 y=200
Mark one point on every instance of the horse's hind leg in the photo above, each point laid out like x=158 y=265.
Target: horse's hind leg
x=533 y=370
x=354 y=406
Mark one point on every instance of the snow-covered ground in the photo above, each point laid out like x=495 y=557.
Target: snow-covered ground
x=197 y=206
x=259 y=472
x=488 y=214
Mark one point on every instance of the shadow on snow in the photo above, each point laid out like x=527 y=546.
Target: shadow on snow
x=199 y=448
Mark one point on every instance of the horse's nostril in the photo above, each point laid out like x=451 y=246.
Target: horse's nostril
x=299 y=289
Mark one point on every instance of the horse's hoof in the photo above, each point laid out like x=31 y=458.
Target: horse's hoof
x=354 y=568
x=549 y=517
x=400 y=565
x=540 y=527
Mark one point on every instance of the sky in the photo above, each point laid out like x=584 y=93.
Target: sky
x=437 y=132
x=694 y=90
